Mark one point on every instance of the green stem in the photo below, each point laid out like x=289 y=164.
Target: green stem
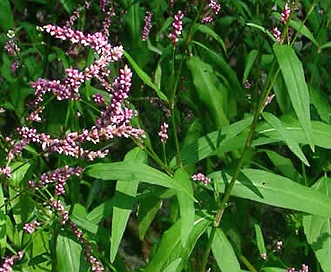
x=172 y=110
x=206 y=255
x=223 y=204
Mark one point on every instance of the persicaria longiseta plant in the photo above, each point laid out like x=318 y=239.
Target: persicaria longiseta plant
x=165 y=136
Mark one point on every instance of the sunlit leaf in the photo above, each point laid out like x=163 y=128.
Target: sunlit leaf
x=223 y=252
x=133 y=171
x=186 y=204
x=271 y=189
x=68 y=255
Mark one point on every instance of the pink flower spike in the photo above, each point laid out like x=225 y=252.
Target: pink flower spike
x=177 y=26
x=147 y=26
x=285 y=14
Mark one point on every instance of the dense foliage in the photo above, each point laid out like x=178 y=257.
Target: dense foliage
x=165 y=135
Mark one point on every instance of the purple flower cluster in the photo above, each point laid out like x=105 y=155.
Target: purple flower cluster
x=201 y=177
x=31 y=227
x=214 y=6
x=6 y=171
x=88 y=252
x=12 y=48
x=58 y=207
x=59 y=176
x=7 y=265
x=148 y=25
x=177 y=26
x=163 y=133
x=276 y=33
x=285 y=14
x=103 y=4
x=304 y=268
x=212 y=10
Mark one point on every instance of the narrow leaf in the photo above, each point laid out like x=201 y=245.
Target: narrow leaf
x=213 y=142
x=207 y=30
x=145 y=78
x=133 y=171
x=171 y=248
x=223 y=252
x=263 y=30
x=294 y=78
x=208 y=89
x=186 y=204
x=275 y=190
x=123 y=202
x=318 y=228
x=291 y=142
x=260 y=239
x=148 y=208
x=250 y=59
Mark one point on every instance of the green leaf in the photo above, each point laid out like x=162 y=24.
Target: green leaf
x=326 y=45
x=145 y=78
x=148 y=208
x=263 y=30
x=173 y=266
x=133 y=171
x=249 y=61
x=186 y=204
x=213 y=142
x=321 y=103
x=318 y=228
x=123 y=202
x=321 y=133
x=171 y=248
x=294 y=78
x=68 y=255
x=223 y=66
x=284 y=165
x=273 y=269
x=207 y=30
x=223 y=252
x=291 y=142
x=260 y=239
x=275 y=190
x=6 y=16
x=209 y=90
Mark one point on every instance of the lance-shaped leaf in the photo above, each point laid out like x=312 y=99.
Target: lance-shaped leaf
x=123 y=202
x=294 y=79
x=275 y=190
x=223 y=252
x=186 y=204
x=286 y=136
x=171 y=249
x=133 y=171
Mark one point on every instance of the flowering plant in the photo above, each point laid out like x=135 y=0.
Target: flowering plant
x=164 y=136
